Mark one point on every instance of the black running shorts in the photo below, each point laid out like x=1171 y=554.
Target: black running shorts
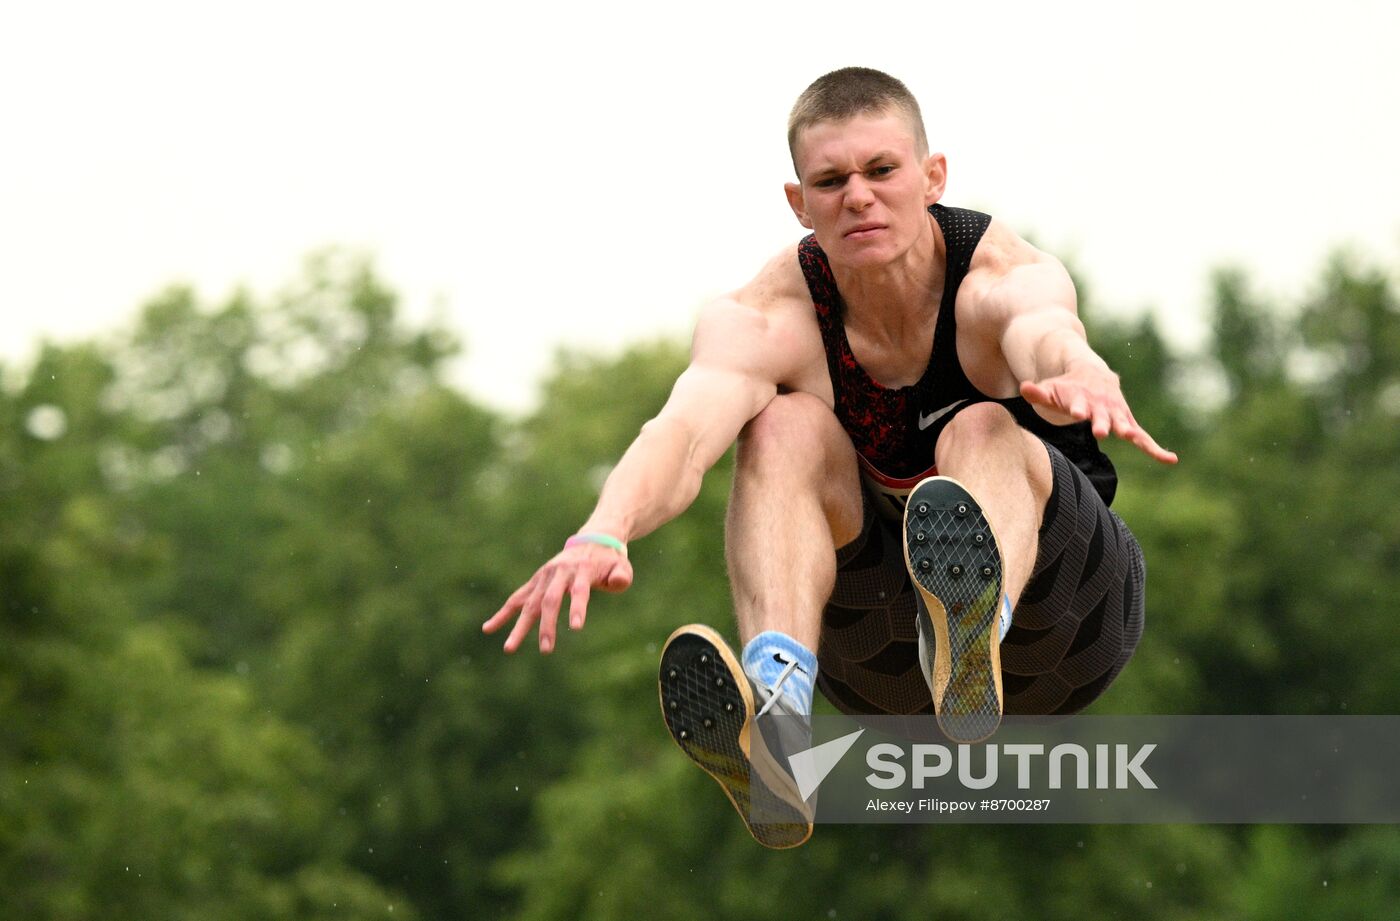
x=1076 y=625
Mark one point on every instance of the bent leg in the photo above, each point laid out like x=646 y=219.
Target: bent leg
x=1080 y=617
x=796 y=498
x=993 y=476
x=1007 y=469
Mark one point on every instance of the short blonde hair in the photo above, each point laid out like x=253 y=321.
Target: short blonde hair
x=849 y=92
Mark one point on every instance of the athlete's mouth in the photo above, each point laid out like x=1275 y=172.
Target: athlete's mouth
x=861 y=231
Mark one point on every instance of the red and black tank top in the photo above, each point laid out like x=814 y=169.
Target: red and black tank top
x=895 y=430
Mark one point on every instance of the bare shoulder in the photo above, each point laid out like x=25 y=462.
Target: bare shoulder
x=763 y=305
x=779 y=286
x=1002 y=250
x=767 y=324
x=1009 y=280
x=1006 y=270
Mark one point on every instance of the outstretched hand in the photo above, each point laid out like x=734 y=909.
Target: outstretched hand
x=576 y=570
x=1094 y=395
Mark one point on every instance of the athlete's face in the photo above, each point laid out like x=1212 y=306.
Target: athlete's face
x=864 y=188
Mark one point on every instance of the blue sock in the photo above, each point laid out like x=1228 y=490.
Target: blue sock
x=768 y=655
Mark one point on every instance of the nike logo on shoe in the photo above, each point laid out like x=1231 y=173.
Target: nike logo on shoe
x=931 y=418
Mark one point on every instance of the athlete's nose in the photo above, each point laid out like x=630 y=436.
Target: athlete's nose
x=858 y=194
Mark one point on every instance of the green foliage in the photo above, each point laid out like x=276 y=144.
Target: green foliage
x=1250 y=345
x=247 y=550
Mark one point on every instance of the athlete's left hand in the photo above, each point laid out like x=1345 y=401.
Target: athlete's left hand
x=1091 y=393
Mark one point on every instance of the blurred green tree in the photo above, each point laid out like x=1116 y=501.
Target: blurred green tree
x=247 y=549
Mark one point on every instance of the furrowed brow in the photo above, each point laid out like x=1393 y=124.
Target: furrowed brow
x=830 y=171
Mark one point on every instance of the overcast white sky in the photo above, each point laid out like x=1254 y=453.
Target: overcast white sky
x=590 y=173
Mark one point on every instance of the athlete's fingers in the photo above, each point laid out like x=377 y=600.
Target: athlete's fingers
x=550 y=600
x=513 y=604
x=553 y=594
x=1124 y=426
x=1148 y=445
x=618 y=578
x=1101 y=424
x=1144 y=441
x=578 y=601
x=522 y=630
x=1157 y=452
x=1048 y=395
x=499 y=619
x=1032 y=392
x=1079 y=407
x=529 y=611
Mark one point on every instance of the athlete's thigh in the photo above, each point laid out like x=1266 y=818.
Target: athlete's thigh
x=797 y=441
x=1080 y=617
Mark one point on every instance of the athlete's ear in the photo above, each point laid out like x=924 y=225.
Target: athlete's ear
x=798 y=203
x=935 y=177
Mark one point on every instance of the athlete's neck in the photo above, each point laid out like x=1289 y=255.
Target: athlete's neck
x=893 y=301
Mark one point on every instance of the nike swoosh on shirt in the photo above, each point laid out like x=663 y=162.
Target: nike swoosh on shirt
x=931 y=418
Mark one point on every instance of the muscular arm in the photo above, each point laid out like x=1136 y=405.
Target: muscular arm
x=744 y=347
x=733 y=374
x=1041 y=334
x=1030 y=308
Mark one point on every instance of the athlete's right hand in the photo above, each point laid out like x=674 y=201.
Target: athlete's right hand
x=577 y=570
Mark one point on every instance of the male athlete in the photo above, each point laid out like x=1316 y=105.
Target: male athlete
x=919 y=520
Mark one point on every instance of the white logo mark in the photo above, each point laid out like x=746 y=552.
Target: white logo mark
x=931 y=418
x=810 y=767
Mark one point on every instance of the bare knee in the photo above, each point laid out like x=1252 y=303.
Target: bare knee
x=796 y=444
x=986 y=434
x=795 y=432
x=976 y=428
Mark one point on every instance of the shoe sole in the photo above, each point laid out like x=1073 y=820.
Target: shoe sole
x=708 y=707
x=953 y=559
